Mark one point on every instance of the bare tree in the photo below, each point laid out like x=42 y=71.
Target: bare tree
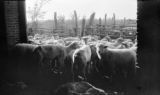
x=36 y=12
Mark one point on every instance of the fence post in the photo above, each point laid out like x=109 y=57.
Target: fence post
x=76 y=23
x=83 y=27
x=55 y=22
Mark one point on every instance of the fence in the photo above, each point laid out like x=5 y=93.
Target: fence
x=99 y=30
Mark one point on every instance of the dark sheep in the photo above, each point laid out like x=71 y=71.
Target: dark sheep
x=79 y=88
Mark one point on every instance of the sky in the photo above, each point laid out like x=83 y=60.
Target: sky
x=84 y=8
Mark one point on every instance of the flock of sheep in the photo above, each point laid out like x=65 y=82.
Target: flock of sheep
x=83 y=56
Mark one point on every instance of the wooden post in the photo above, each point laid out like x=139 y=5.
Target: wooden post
x=91 y=20
x=83 y=27
x=76 y=23
x=124 y=22
x=114 y=20
x=105 y=20
x=100 y=21
x=55 y=21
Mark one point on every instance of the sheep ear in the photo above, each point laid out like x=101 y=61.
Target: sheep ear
x=99 y=56
x=97 y=51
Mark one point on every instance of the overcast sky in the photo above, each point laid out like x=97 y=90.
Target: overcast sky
x=122 y=8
